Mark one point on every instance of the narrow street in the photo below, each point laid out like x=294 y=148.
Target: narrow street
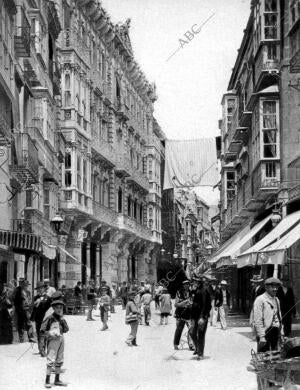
x=101 y=360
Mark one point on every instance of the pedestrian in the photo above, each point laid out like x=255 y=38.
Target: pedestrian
x=22 y=302
x=157 y=292
x=258 y=288
x=267 y=317
x=52 y=341
x=48 y=288
x=165 y=306
x=223 y=303
x=286 y=298
x=123 y=294
x=78 y=296
x=146 y=302
x=42 y=303
x=132 y=318
x=201 y=306
x=6 y=329
x=91 y=296
x=183 y=305
x=104 y=304
x=212 y=289
x=113 y=298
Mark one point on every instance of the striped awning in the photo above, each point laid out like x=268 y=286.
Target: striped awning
x=20 y=241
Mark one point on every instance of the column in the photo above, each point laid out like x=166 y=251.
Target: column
x=88 y=260
x=140 y=264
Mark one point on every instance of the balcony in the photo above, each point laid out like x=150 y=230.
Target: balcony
x=103 y=150
x=265 y=67
x=22 y=34
x=266 y=180
x=98 y=82
x=21 y=242
x=139 y=179
x=105 y=215
x=129 y=225
x=120 y=109
x=5 y=130
x=123 y=166
x=72 y=40
x=25 y=165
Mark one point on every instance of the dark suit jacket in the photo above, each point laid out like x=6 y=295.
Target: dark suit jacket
x=201 y=305
x=219 y=297
x=287 y=302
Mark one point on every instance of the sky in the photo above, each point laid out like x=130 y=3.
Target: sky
x=191 y=70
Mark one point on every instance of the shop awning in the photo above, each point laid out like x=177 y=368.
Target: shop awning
x=235 y=238
x=249 y=257
x=69 y=254
x=239 y=245
x=48 y=251
x=275 y=253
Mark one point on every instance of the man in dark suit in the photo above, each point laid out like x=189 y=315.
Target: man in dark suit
x=201 y=306
x=22 y=302
x=286 y=298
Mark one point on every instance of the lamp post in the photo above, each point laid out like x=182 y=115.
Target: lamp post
x=275 y=218
x=57 y=222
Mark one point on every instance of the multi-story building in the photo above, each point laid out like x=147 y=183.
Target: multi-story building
x=78 y=137
x=259 y=128
x=30 y=141
x=187 y=230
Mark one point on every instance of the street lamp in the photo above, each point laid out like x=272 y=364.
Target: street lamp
x=275 y=217
x=209 y=249
x=57 y=222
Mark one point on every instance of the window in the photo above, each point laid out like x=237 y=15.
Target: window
x=68 y=172
x=269 y=143
x=118 y=89
x=79 y=172
x=120 y=200
x=271 y=24
x=141 y=214
x=272 y=51
x=129 y=205
x=230 y=185
x=229 y=113
x=135 y=205
x=269 y=115
x=29 y=198
x=84 y=176
x=46 y=204
x=105 y=192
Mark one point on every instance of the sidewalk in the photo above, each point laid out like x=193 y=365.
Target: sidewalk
x=97 y=360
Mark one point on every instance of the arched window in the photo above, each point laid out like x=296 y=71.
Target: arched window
x=141 y=213
x=135 y=209
x=118 y=89
x=129 y=205
x=77 y=103
x=120 y=200
x=67 y=81
x=105 y=193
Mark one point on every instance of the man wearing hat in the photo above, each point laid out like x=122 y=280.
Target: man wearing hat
x=258 y=287
x=223 y=302
x=52 y=340
x=22 y=301
x=183 y=305
x=267 y=317
x=91 y=296
x=201 y=306
x=49 y=290
x=42 y=303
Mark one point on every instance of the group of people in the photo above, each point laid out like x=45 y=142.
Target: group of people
x=45 y=311
x=197 y=301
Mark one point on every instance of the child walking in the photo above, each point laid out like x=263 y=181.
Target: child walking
x=52 y=339
x=104 y=303
x=132 y=319
x=165 y=306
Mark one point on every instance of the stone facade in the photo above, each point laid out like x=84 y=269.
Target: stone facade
x=79 y=134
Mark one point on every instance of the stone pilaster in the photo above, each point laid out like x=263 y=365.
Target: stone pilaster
x=88 y=260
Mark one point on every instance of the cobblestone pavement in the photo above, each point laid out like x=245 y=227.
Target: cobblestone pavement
x=97 y=360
